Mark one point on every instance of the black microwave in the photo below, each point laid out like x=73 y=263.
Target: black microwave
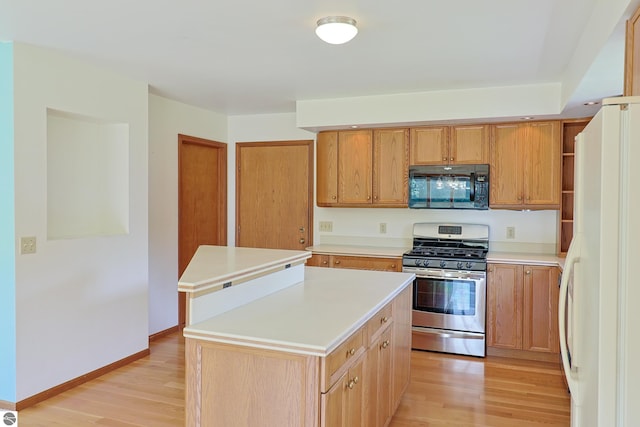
x=449 y=187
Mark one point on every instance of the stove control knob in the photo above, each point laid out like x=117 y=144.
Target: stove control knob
x=469 y=265
x=425 y=263
x=416 y=262
x=459 y=265
x=443 y=264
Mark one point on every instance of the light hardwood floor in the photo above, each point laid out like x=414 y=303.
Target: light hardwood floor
x=445 y=390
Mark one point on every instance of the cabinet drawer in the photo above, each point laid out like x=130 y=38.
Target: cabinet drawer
x=339 y=360
x=366 y=263
x=378 y=323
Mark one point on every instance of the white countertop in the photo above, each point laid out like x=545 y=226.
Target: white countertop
x=378 y=251
x=213 y=267
x=312 y=317
x=372 y=251
x=525 y=258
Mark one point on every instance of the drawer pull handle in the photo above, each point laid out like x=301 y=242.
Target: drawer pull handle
x=385 y=344
x=351 y=352
x=337 y=262
x=385 y=319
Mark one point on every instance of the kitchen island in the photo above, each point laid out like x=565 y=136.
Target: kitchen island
x=332 y=349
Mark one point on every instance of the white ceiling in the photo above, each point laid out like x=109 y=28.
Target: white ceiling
x=253 y=57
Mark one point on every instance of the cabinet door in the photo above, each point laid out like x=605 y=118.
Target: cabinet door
x=384 y=346
x=541 y=164
x=505 y=165
x=355 y=160
x=327 y=165
x=342 y=405
x=391 y=167
x=540 y=309
x=334 y=403
x=429 y=145
x=504 y=306
x=377 y=408
x=469 y=144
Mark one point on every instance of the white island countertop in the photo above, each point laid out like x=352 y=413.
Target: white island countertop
x=215 y=267
x=311 y=317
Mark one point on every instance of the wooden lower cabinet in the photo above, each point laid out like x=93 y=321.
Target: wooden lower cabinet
x=356 y=262
x=522 y=309
x=360 y=383
x=343 y=405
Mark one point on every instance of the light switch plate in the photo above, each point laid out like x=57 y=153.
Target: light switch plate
x=326 y=226
x=28 y=245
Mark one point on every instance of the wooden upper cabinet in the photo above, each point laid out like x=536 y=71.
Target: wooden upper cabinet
x=469 y=145
x=443 y=145
x=504 y=172
x=391 y=166
x=355 y=162
x=363 y=168
x=542 y=165
x=525 y=165
x=327 y=177
x=429 y=145
x=632 y=56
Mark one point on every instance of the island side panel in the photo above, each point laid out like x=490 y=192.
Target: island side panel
x=402 y=306
x=241 y=386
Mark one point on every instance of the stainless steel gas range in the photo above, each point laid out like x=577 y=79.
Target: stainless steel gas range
x=449 y=295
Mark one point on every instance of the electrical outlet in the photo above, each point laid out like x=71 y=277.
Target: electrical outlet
x=326 y=226
x=511 y=232
x=383 y=227
x=27 y=245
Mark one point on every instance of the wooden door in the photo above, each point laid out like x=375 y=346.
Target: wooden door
x=505 y=164
x=202 y=200
x=274 y=194
x=391 y=167
x=429 y=145
x=355 y=162
x=540 y=309
x=469 y=145
x=327 y=162
x=542 y=164
x=504 y=306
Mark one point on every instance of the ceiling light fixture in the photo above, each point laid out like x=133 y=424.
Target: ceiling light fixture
x=591 y=103
x=336 y=29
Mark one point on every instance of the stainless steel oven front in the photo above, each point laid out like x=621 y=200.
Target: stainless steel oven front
x=449 y=310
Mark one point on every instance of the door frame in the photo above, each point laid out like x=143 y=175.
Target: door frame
x=221 y=176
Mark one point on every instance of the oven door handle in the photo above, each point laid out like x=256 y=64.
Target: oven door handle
x=439 y=274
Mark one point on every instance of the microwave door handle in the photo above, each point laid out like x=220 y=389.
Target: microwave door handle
x=472 y=184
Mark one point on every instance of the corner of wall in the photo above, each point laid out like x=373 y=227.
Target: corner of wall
x=7 y=229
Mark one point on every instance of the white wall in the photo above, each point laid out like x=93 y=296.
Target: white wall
x=81 y=303
x=167 y=119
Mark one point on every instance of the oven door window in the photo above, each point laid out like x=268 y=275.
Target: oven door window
x=445 y=296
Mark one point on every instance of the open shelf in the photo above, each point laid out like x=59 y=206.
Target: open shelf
x=570 y=129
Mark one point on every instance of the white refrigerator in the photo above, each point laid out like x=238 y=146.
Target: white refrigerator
x=599 y=308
